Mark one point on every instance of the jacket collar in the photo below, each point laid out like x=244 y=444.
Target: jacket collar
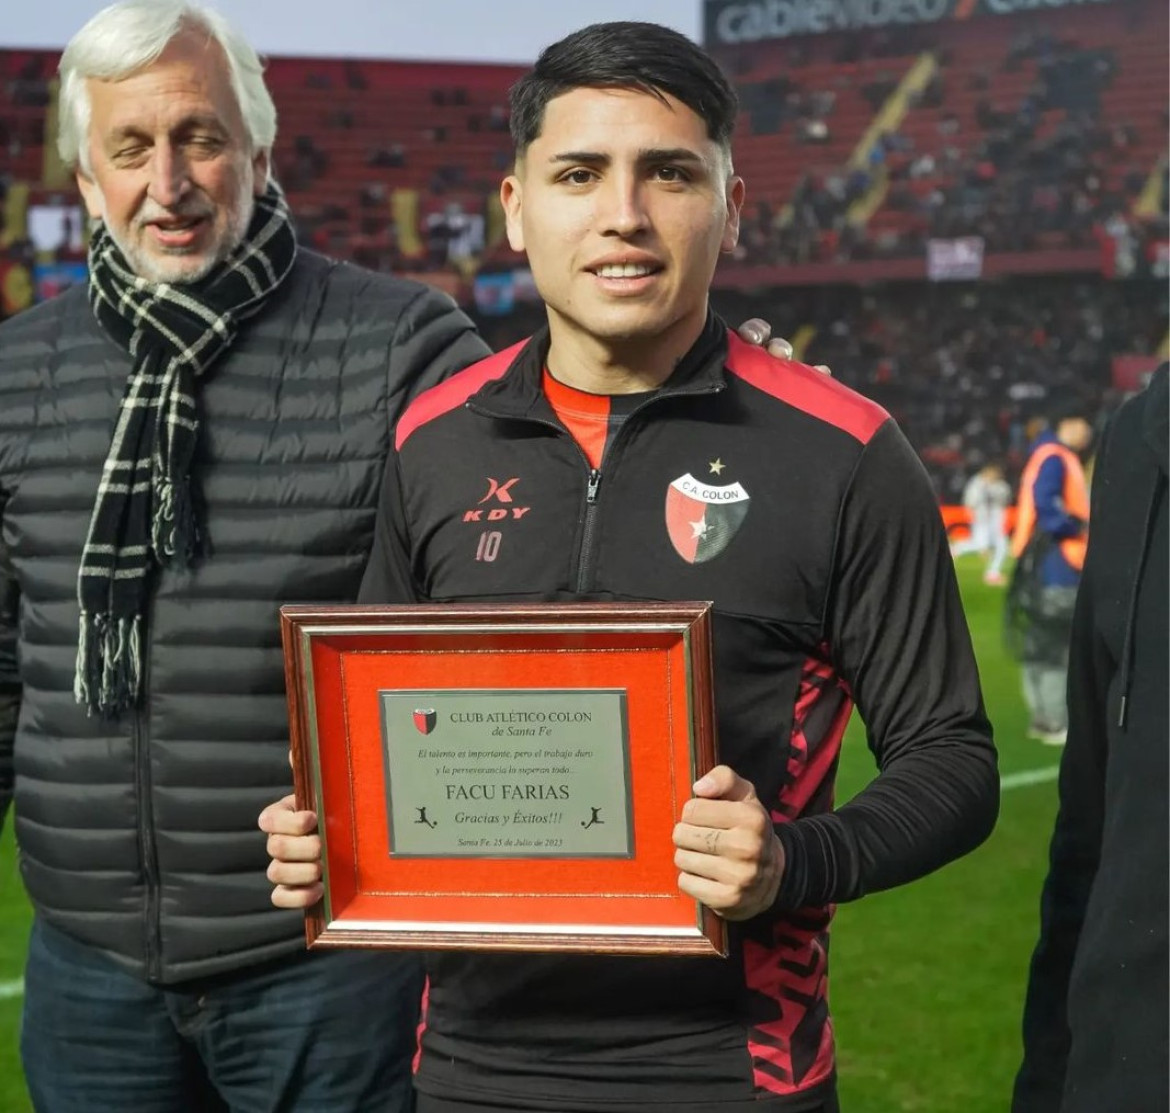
x=518 y=392
x=1156 y=425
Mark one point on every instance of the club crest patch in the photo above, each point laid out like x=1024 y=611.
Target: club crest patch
x=701 y=519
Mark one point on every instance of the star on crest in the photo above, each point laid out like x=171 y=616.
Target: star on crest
x=717 y=466
x=699 y=527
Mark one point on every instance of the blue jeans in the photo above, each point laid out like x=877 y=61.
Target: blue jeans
x=318 y=1032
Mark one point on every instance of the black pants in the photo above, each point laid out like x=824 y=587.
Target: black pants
x=426 y=1104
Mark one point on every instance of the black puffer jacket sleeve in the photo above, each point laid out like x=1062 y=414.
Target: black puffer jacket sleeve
x=433 y=340
x=9 y=681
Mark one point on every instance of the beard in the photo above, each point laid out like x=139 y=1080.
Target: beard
x=173 y=266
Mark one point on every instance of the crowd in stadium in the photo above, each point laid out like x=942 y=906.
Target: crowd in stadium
x=963 y=369
x=1027 y=176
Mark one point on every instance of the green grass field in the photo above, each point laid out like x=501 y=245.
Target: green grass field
x=927 y=981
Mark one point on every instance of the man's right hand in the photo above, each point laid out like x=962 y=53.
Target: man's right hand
x=757 y=331
x=295 y=849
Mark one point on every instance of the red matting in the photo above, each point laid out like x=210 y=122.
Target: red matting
x=337 y=661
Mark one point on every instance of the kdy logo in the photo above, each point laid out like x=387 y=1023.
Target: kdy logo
x=701 y=519
x=500 y=492
x=424 y=719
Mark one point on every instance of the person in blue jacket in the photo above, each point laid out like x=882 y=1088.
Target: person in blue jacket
x=1052 y=523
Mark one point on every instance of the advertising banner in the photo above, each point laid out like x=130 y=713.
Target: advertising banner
x=731 y=22
x=954 y=260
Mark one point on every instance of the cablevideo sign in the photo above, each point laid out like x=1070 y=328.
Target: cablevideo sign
x=729 y=22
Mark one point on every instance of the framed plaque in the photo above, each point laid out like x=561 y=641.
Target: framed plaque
x=502 y=777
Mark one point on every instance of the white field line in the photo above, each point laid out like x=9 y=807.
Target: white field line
x=1022 y=779
x=1026 y=777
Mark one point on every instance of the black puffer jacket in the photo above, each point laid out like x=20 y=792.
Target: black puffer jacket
x=139 y=836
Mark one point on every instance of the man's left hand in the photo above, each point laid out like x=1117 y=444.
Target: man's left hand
x=727 y=852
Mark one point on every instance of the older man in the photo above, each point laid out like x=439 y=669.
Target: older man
x=194 y=438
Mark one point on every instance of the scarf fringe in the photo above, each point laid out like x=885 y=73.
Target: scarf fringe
x=109 y=663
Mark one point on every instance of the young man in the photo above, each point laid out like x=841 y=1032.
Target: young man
x=661 y=459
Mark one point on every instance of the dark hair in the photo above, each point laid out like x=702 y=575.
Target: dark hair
x=1069 y=410
x=643 y=56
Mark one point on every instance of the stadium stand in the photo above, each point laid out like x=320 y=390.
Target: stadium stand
x=393 y=164
x=1033 y=131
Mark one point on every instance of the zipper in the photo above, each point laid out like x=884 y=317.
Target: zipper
x=584 y=563
x=594 y=475
x=147 y=848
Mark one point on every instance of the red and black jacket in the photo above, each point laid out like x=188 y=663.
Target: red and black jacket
x=800 y=510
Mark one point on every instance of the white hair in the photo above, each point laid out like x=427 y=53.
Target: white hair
x=126 y=37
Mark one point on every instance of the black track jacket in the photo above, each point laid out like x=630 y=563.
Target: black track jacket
x=799 y=509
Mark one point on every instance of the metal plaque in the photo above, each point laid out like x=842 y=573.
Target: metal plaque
x=521 y=773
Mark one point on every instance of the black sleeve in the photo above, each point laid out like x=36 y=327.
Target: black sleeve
x=388 y=577
x=1074 y=852
x=434 y=339
x=897 y=634
x=9 y=679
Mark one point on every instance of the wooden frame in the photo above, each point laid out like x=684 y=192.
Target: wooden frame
x=352 y=669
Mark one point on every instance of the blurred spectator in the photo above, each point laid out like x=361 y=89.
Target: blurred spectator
x=373 y=195
x=355 y=79
x=392 y=157
x=814 y=131
x=341 y=118
x=987 y=496
x=308 y=163
x=1052 y=527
